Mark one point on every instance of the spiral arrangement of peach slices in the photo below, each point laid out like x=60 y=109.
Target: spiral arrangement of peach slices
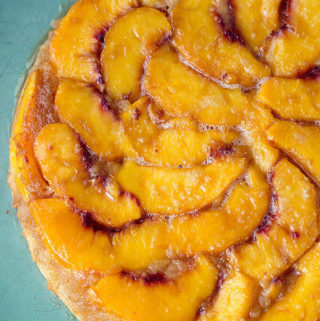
x=181 y=137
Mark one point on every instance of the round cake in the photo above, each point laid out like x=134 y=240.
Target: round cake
x=165 y=160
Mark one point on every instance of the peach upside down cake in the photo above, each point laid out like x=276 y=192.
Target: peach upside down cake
x=165 y=160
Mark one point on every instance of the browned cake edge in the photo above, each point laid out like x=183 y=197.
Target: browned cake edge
x=70 y=286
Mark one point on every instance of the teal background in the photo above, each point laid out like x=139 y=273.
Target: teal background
x=23 y=292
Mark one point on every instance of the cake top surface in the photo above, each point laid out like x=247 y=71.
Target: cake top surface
x=168 y=151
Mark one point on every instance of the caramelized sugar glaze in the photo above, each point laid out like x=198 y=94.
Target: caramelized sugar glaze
x=165 y=160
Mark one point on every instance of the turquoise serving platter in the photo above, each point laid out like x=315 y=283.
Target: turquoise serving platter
x=24 y=25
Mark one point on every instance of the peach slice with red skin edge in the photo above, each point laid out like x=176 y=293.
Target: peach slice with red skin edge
x=136 y=299
x=75 y=45
x=60 y=156
x=240 y=215
x=284 y=64
x=62 y=232
x=138 y=246
x=127 y=43
x=180 y=143
x=88 y=113
x=292 y=230
x=256 y=20
x=181 y=91
x=292 y=98
x=234 y=299
x=299 y=34
x=202 y=43
x=179 y=190
x=302 y=302
x=298 y=141
x=35 y=111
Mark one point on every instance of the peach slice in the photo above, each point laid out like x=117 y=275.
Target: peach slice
x=138 y=246
x=303 y=300
x=179 y=190
x=299 y=142
x=282 y=62
x=137 y=299
x=155 y=239
x=256 y=20
x=179 y=90
x=72 y=244
x=261 y=259
x=304 y=17
x=255 y=125
x=127 y=43
x=61 y=159
x=20 y=164
x=35 y=111
x=75 y=46
x=295 y=199
x=234 y=299
x=87 y=111
x=203 y=43
x=180 y=143
x=292 y=230
x=299 y=35
x=292 y=98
